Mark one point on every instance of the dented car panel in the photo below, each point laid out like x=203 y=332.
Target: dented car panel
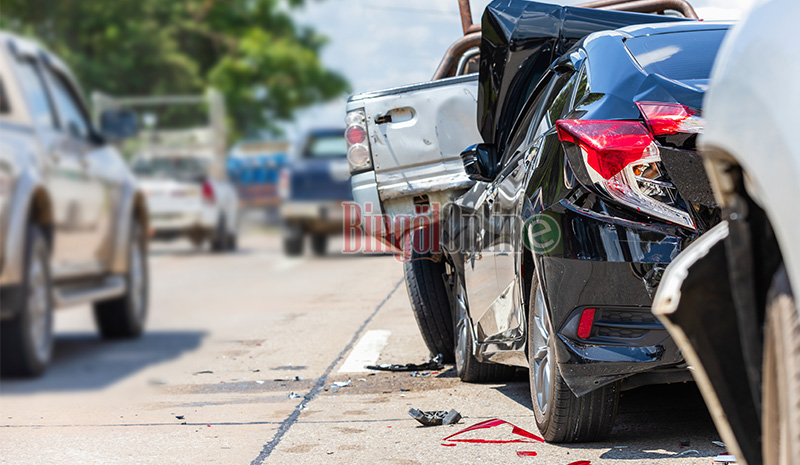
x=416 y=134
x=695 y=302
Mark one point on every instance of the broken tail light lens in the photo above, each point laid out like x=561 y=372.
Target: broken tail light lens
x=623 y=159
x=355 y=133
x=665 y=119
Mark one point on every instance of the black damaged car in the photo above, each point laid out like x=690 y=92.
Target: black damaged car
x=587 y=186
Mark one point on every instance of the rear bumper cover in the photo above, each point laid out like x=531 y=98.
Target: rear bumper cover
x=614 y=266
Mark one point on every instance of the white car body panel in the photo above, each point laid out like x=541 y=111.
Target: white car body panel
x=759 y=63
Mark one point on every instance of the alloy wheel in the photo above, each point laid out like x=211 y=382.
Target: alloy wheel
x=39 y=311
x=540 y=351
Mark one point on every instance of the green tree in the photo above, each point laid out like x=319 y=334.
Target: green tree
x=250 y=50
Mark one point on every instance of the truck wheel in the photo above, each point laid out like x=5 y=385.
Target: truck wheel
x=781 y=378
x=293 y=241
x=469 y=369
x=26 y=341
x=319 y=244
x=560 y=415
x=219 y=242
x=124 y=316
x=428 y=294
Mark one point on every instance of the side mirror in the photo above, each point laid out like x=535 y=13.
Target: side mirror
x=116 y=125
x=480 y=162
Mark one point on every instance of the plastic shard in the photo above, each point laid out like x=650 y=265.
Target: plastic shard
x=530 y=437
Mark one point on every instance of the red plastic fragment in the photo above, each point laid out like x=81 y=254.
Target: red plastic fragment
x=491 y=424
x=449 y=445
x=526 y=453
x=581 y=462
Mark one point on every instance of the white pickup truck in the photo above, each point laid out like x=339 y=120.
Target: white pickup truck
x=403 y=150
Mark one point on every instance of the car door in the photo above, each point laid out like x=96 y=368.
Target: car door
x=80 y=196
x=505 y=318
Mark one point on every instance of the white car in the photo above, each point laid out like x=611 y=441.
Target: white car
x=186 y=199
x=728 y=299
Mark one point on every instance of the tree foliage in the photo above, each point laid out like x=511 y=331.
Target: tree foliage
x=250 y=50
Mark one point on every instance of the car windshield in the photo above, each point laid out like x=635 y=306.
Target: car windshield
x=181 y=168
x=329 y=146
x=679 y=55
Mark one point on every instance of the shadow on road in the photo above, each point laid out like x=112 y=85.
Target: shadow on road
x=653 y=422
x=82 y=361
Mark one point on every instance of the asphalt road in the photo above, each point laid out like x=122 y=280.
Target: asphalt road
x=231 y=337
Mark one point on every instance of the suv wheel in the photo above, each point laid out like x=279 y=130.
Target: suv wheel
x=124 y=316
x=293 y=240
x=27 y=339
x=469 y=369
x=781 y=379
x=560 y=415
x=319 y=244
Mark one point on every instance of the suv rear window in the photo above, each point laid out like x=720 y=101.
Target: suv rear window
x=333 y=146
x=678 y=55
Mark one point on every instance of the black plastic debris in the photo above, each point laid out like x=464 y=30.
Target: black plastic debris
x=179 y=417
x=442 y=417
x=433 y=364
x=204 y=372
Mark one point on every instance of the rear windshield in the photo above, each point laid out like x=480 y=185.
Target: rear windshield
x=179 y=168
x=679 y=55
x=332 y=146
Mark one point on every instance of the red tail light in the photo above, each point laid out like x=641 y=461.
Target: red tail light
x=610 y=146
x=624 y=160
x=585 y=323
x=208 y=192
x=665 y=119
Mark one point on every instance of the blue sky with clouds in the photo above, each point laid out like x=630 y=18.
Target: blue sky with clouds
x=377 y=44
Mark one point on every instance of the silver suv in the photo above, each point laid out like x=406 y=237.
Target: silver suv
x=73 y=224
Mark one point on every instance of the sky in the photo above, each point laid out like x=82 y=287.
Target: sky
x=377 y=44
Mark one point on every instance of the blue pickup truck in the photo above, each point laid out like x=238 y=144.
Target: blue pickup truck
x=313 y=186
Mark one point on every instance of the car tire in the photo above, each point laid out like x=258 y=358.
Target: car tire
x=319 y=244
x=424 y=275
x=124 y=316
x=561 y=416
x=26 y=340
x=781 y=378
x=468 y=368
x=293 y=241
x=219 y=242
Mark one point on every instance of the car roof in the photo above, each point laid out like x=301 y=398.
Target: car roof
x=641 y=30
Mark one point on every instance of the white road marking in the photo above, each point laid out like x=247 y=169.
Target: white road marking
x=366 y=351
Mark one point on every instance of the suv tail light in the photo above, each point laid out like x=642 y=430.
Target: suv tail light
x=208 y=192
x=355 y=133
x=623 y=159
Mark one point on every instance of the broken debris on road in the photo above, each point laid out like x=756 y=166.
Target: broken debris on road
x=436 y=418
x=433 y=364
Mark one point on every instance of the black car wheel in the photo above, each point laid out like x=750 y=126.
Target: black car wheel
x=293 y=240
x=469 y=369
x=781 y=379
x=221 y=238
x=124 y=316
x=27 y=339
x=424 y=276
x=560 y=415
x=319 y=244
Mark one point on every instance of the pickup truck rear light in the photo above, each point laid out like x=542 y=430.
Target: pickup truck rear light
x=208 y=192
x=665 y=119
x=623 y=159
x=357 y=138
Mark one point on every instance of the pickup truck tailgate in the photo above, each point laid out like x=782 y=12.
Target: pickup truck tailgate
x=417 y=132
